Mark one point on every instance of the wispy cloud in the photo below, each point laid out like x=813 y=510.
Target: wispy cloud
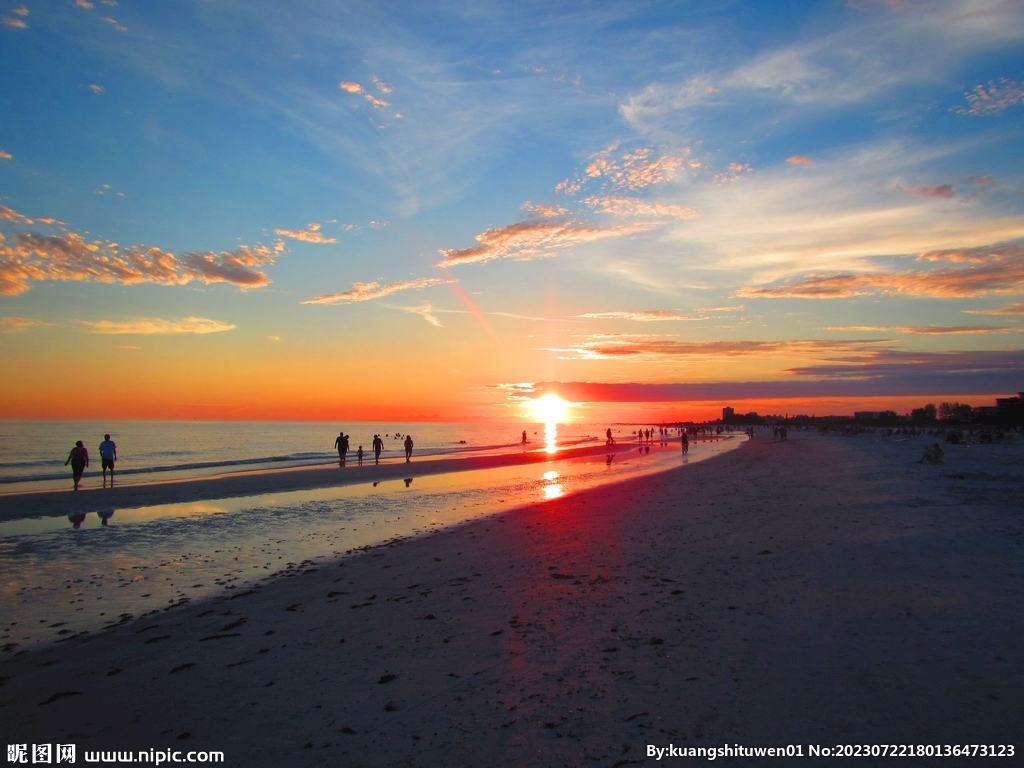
x=627 y=170
x=114 y=23
x=33 y=257
x=350 y=87
x=997 y=269
x=1012 y=310
x=544 y=211
x=83 y=4
x=642 y=316
x=426 y=311
x=13 y=23
x=942 y=190
x=5 y=155
x=534 y=240
x=155 y=325
x=994 y=98
x=96 y=88
x=604 y=347
x=631 y=206
x=19 y=324
x=311 y=234
x=381 y=85
x=367 y=291
x=954 y=330
x=799 y=160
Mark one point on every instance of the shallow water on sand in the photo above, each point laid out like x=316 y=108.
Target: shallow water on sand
x=63 y=576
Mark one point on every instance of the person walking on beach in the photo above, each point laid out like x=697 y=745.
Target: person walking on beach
x=524 y=437
x=408 y=448
x=341 y=443
x=686 y=443
x=79 y=459
x=378 y=446
x=108 y=455
x=359 y=456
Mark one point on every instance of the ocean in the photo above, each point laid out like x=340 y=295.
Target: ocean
x=32 y=453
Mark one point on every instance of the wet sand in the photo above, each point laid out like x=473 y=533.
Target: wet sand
x=90 y=497
x=824 y=590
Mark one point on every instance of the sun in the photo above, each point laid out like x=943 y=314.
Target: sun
x=550 y=409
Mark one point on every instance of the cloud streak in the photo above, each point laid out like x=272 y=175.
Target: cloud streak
x=642 y=316
x=995 y=269
x=311 y=234
x=149 y=326
x=32 y=257
x=612 y=347
x=368 y=291
x=534 y=240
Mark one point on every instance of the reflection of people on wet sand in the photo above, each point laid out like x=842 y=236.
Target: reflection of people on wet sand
x=79 y=459
x=408 y=448
x=378 y=446
x=341 y=443
x=108 y=455
x=408 y=481
x=105 y=515
x=77 y=520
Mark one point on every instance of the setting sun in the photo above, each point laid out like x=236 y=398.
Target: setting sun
x=550 y=409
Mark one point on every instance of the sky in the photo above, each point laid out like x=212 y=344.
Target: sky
x=238 y=209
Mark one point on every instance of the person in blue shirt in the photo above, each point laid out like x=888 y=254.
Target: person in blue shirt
x=108 y=455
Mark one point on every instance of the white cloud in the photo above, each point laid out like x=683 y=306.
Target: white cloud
x=154 y=325
x=368 y=291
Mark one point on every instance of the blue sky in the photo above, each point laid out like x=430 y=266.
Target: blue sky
x=658 y=193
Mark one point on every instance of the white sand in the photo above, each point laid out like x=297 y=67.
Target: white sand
x=886 y=607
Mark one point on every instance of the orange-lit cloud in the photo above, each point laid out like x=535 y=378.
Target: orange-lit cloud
x=799 y=160
x=147 y=326
x=636 y=169
x=378 y=103
x=993 y=99
x=996 y=269
x=948 y=330
x=7 y=21
x=381 y=85
x=544 y=211
x=603 y=347
x=96 y=88
x=733 y=173
x=631 y=206
x=1012 y=310
x=34 y=257
x=942 y=190
x=5 y=155
x=367 y=291
x=534 y=239
x=114 y=23
x=350 y=87
x=18 y=324
x=83 y=3
x=642 y=316
x=311 y=234
x=9 y=214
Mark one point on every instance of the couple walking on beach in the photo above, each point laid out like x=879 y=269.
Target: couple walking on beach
x=342 y=444
x=79 y=460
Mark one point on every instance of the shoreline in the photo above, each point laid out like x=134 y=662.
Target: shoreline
x=821 y=590
x=14 y=506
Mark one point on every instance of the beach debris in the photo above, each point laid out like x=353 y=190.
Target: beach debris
x=933 y=454
x=765 y=552
x=209 y=637
x=181 y=668
x=59 y=695
x=386 y=679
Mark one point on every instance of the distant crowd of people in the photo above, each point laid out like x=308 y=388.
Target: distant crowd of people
x=343 y=444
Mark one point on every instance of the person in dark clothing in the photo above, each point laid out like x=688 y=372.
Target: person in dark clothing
x=79 y=460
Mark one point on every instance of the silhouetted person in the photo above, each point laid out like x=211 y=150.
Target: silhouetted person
x=524 y=437
x=408 y=448
x=108 y=455
x=686 y=443
x=359 y=455
x=79 y=459
x=341 y=443
x=378 y=446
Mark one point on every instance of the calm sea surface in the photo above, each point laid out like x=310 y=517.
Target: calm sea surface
x=32 y=453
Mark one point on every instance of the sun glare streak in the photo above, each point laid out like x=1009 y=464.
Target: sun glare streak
x=550 y=409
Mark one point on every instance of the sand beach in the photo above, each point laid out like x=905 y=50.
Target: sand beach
x=823 y=590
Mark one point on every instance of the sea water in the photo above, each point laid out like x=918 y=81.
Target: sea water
x=32 y=453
